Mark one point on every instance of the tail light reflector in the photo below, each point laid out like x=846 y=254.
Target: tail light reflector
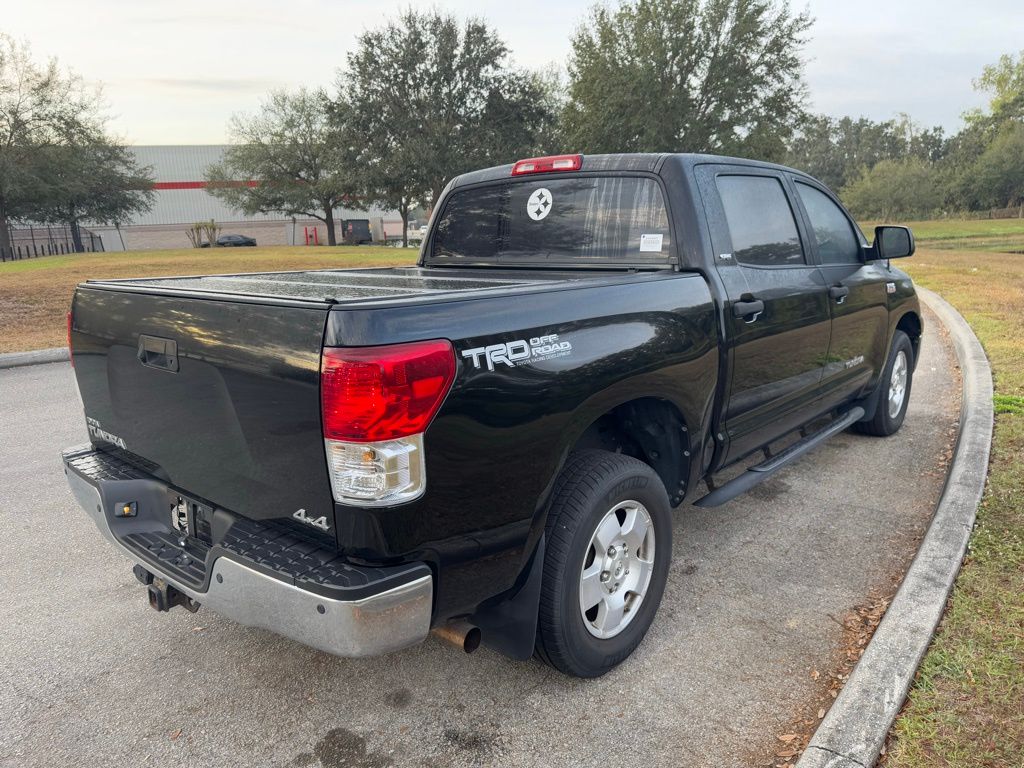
x=376 y=403
x=380 y=393
x=547 y=164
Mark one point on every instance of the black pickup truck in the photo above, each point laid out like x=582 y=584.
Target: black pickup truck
x=489 y=444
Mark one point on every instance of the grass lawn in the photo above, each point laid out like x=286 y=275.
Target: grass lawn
x=967 y=704
x=961 y=234
x=35 y=293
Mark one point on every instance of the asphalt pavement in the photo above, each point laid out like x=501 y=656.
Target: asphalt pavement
x=91 y=676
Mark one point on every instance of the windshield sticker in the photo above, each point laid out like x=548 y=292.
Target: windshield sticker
x=539 y=204
x=651 y=243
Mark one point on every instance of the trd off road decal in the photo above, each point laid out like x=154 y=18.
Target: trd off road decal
x=519 y=352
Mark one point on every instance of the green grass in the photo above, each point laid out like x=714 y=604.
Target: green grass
x=35 y=293
x=966 y=708
x=1004 y=235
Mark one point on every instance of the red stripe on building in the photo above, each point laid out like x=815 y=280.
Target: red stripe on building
x=201 y=184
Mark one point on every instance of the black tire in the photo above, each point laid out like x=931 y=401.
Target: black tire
x=591 y=485
x=883 y=423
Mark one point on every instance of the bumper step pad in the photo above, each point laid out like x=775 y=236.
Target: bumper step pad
x=270 y=547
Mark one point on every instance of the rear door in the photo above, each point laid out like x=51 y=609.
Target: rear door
x=857 y=295
x=777 y=314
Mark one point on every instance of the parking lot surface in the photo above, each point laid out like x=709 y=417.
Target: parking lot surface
x=92 y=677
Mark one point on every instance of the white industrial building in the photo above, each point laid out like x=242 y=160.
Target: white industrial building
x=181 y=200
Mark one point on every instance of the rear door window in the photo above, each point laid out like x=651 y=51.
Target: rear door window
x=584 y=218
x=761 y=223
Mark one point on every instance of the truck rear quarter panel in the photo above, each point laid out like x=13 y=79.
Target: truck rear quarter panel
x=502 y=435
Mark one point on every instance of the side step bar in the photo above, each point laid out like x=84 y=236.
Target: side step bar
x=765 y=469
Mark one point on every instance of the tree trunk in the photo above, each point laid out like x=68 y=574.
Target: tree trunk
x=76 y=236
x=403 y=211
x=329 y=221
x=5 y=233
x=434 y=195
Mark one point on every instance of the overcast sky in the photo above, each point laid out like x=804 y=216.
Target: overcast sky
x=173 y=72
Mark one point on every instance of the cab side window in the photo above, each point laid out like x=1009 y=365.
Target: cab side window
x=761 y=223
x=837 y=242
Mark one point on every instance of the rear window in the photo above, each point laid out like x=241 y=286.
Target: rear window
x=595 y=218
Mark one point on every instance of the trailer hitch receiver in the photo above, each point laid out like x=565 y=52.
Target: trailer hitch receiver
x=163 y=597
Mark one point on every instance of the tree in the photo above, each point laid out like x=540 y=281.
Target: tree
x=835 y=150
x=894 y=189
x=997 y=178
x=428 y=99
x=678 y=75
x=40 y=107
x=95 y=180
x=291 y=158
x=1004 y=82
x=979 y=166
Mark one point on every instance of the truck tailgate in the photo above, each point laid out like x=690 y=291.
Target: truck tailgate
x=222 y=396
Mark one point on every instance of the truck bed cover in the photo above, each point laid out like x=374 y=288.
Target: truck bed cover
x=333 y=286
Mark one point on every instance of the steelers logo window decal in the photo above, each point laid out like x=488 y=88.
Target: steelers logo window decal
x=539 y=204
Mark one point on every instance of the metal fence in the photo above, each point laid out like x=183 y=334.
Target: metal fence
x=30 y=242
x=1015 y=212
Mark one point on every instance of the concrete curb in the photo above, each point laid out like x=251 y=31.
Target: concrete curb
x=855 y=728
x=35 y=357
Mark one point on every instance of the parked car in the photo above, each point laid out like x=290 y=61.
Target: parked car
x=233 y=241
x=488 y=444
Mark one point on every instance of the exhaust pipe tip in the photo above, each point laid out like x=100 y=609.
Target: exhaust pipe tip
x=472 y=640
x=461 y=634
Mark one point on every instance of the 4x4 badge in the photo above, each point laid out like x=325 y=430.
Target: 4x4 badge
x=320 y=522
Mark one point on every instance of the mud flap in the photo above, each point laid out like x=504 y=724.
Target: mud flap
x=510 y=626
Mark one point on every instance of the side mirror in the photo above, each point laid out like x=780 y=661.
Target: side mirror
x=893 y=243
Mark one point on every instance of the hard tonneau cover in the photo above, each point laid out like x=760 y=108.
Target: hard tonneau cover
x=341 y=285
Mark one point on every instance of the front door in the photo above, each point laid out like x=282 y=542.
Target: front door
x=857 y=297
x=777 y=313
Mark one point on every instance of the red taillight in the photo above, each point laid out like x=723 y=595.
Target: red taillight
x=548 y=164
x=70 y=356
x=382 y=393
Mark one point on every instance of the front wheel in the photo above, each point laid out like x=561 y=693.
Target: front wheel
x=897 y=376
x=609 y=544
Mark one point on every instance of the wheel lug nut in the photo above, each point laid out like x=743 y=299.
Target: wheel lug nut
x=611 y=551
x=605 y=576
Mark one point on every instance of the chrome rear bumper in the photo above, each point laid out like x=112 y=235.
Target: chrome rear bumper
x=384 y=621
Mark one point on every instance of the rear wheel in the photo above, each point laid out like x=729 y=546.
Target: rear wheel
x=609 y=543
x=894 y=398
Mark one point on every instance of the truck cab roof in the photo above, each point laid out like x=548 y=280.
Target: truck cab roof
x=644 y=162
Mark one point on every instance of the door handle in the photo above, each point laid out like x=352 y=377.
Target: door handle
x=744 y=309
x=155 y=352
x=839 y=293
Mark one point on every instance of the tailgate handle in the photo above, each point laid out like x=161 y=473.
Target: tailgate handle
x=158 y=353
